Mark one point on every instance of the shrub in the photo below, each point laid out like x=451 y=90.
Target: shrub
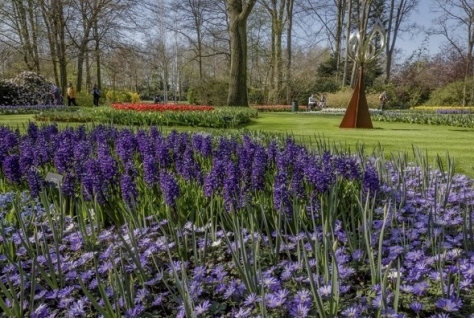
x=114 y=96
x=256 y=96
x=342 y=98
x=208 y=92
x=135 y=97
x=27 y=88
x=84 y=98
x=451 y=94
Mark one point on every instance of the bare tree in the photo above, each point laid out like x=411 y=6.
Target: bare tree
x=399 y=11
x=83 y=27
x=54 y=15
x=22 y=30
x=331 y=15
x=277 y=9
x=456 y=23
x=192 y=19
x=348 y=32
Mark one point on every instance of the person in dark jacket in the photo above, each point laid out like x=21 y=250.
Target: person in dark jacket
x=96 y=95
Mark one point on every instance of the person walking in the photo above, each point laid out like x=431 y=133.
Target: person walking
x=322 y=101
x=311 y=103
x=71 y=95
x=55 y=94
x=96 y=95
x=383 y=98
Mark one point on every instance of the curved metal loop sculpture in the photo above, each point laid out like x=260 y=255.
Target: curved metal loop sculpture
x=362 y=49
x=367 y=51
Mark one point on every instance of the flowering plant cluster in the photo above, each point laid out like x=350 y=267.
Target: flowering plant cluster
x=27 y=88
x=238 y=171
x=222 y=117
x=449 y=119
x=431 y=108
x=160 y=107
x=453 y=111
x=277 y=108
x=34 y=109
x=337 y=111
x=403 y=248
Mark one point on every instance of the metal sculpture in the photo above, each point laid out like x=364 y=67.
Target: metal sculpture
x=362 y=49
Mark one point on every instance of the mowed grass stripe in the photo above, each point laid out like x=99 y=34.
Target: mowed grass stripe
x=392 y=137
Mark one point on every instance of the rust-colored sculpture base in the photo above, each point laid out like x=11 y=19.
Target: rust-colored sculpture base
x=357 y=113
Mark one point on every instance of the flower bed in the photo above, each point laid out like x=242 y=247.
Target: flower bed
x=160 y=107
x=433 y=109
x=226 y=226
x=33 y=109
x=277 y=108
x=222 y=117
x=453 y=111
x=458 y=120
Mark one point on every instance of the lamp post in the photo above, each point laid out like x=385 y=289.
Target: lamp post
x=362 y=49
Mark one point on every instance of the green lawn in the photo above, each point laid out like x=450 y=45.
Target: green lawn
x=392 y=137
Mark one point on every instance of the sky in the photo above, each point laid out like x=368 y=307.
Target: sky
x=423 y=17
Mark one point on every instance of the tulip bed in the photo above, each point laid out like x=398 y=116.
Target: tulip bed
x=148 y=225
x=160 y=107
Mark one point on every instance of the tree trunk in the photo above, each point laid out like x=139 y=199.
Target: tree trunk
x=348 y=32
x=34 y=34
x=278 y=64
x=24 y=33
x=97 y=56
x=271 y=76
x=88 y=71
x=340 y=4
x=239 y=11
x=80 y=66
x=238 y=64
x=289 y=85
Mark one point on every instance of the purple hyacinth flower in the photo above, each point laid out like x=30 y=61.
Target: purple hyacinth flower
x=129 y=190
x=11 y=168
x=259 y=166
x=126 y=145
x=231 y=189
x=27 y=157
x=69 y=184
x=32 y=130
x=150 y=169
x=107 y=163
x=35 y=181
x=169 y=187
x=91 y=179
x=371 y=181
x=281 y=197
x=64 y=154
